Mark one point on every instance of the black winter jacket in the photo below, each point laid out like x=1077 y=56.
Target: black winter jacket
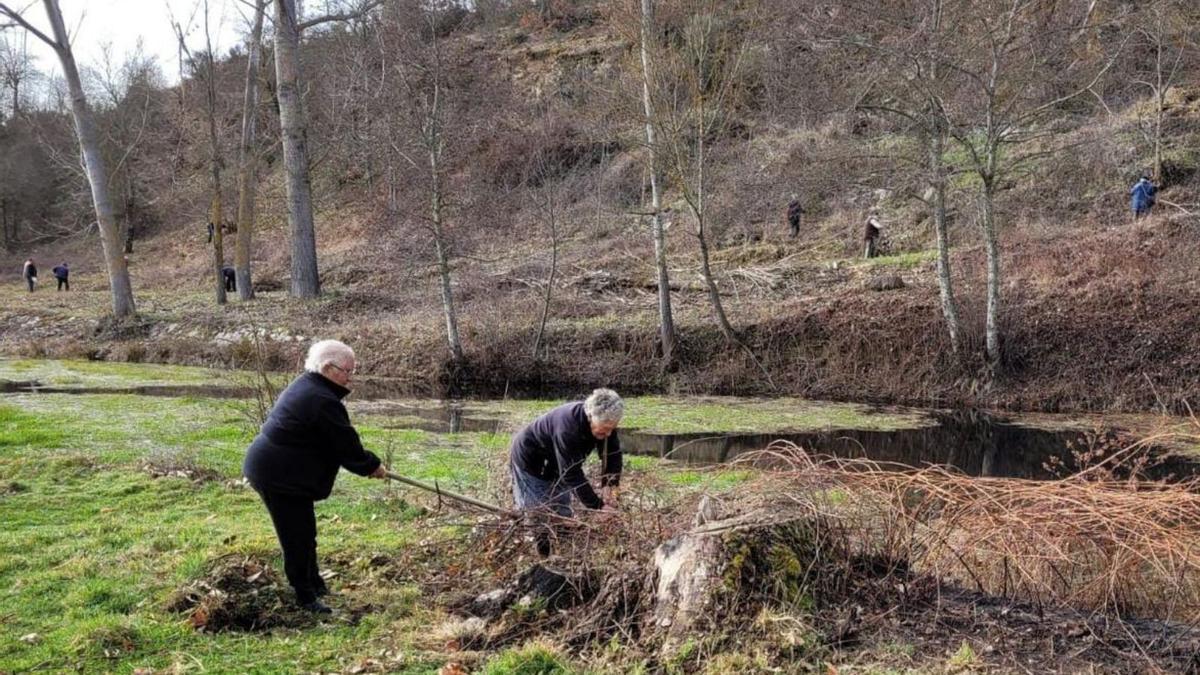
x=304 y=441
x=554 y=446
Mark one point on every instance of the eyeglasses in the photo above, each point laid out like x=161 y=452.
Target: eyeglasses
x=348 y=372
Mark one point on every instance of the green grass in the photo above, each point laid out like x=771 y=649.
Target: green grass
x=92 y=545
x=904 y=261
x=719 y=414
x=106 y=374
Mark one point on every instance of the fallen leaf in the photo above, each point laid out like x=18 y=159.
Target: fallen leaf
x=31 y=639
x=199 y=618
x=453 y=668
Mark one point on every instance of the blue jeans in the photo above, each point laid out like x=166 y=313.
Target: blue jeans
x=531 y=493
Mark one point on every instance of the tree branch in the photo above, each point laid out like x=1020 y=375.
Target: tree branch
x=18 y=20
x=367 y=6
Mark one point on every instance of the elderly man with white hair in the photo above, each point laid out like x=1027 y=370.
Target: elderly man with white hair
x=295 y=458
x=546 y=459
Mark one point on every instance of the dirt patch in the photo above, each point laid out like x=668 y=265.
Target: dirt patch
x=189 y=472
x=239 y=593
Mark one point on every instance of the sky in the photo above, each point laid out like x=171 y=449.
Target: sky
x=121 y=23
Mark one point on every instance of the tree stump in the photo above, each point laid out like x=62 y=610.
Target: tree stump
x=721 y=572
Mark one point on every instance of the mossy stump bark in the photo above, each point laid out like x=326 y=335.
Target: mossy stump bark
x=720 y=573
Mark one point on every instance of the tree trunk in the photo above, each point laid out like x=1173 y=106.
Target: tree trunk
x=216 y=215
x=1158 y=124
x=443 y=260
x=714 y=295
x=97 y=173
x=293 y=126
x=993 y=270
x=665 y=316
x=537 y=342
x=248 y=159
x=945 y=285
x=699 y=209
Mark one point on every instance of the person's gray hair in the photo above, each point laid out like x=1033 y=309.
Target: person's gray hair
x=604 y=405
x=325 y=352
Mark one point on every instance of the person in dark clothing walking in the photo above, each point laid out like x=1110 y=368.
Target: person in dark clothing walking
x=62 y=275
x=794 y=211
x=546 y=460
x=230 y=278
x=211 y=230
x=871 y=234
x=1141 y=197
x=295 y=458
x=29 y=272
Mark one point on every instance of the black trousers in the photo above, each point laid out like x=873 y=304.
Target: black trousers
x=63 y=282
x=296 y=526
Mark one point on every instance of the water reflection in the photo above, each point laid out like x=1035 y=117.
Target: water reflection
x=976 y=443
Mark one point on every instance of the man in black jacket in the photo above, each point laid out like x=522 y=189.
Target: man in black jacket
x=546 y=459
x=294 y=460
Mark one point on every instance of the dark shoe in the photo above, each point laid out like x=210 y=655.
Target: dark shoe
x=317 y=607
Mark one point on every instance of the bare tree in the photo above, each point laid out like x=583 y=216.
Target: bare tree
x=216 y=217
x=124 y=114
x=89 y=145
x=666 y=320
x=248 y=157
x=912 y=84
x=1164 y=31
x=421 y=123
x=293 y=123
x=692 y=97
x=1007 y=99
x=16 y=67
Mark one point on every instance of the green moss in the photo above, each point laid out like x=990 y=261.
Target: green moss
x=963 y=658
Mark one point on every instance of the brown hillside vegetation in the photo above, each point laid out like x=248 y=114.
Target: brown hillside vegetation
x=1097 y=313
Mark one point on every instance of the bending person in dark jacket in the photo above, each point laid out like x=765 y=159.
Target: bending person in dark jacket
x=547 y=459
x=295 y=458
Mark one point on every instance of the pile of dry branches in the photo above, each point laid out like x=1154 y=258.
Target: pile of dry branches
x=1092 y=540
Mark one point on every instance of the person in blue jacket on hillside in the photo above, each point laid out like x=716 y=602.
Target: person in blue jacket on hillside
x=1142 y=197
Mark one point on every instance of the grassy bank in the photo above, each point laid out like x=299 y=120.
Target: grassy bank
x=112 y=502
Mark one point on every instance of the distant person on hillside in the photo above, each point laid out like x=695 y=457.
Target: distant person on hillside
x=62 y=275
x=29 y=272
x=211 y=229
x=794 y=211
x=1142 y=197
x=295 y=459
x=546 y=461
x=230 y=278
x=871 y=234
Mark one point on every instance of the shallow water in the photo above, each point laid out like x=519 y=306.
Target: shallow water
x=974 y=442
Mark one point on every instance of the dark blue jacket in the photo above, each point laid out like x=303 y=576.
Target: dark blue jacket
x=1142 y=195
x=61 y=272
x=554 y=446
x=304 y=441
